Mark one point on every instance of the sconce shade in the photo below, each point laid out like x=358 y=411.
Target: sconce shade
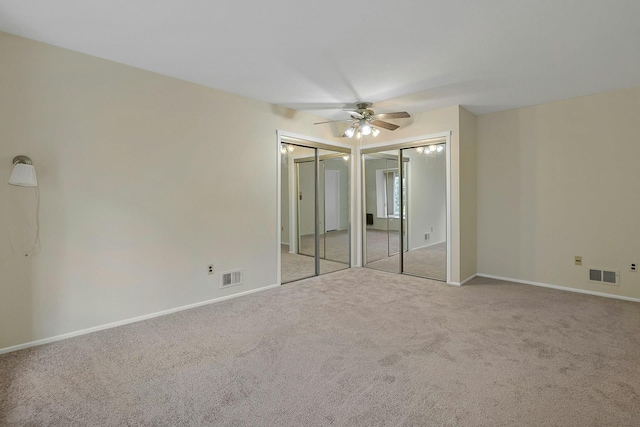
x=23 y=175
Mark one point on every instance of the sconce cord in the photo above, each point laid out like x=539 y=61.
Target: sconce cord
x=36 y=242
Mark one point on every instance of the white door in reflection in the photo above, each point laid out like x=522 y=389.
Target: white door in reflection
x=332 y=200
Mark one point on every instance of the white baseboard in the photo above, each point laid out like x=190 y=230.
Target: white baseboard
x=464 y=281
x=426 y=246
x=560 y=288
x=131 y=320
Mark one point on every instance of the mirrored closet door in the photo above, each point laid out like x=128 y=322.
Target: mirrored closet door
x=315 y=214
x=405 y=206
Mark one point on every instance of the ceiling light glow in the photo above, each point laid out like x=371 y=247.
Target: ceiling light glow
x=350 y=132
x=365 y=128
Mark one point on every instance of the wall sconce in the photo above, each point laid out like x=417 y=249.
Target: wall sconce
x=23 y=174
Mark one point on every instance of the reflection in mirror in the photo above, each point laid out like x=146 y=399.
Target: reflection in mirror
x=297 y=264
x=426 y=239
x=306 y=200
x=300 y=171
x=413 y=200
x=333 y=204
x=383 y=211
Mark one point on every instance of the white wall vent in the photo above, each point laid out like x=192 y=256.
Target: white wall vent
x=604 y=276
x=231 y=278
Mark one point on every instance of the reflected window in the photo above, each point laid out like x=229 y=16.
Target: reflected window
x=388 y=193
x=388 y=198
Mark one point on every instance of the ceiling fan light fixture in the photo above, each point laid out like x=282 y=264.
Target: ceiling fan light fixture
x=419 y=150
x=440 y=148
x=365 y=128
x=363 y=120
x=349 y=132
x=432 y=148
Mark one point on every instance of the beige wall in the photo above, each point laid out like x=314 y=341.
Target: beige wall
x=144 y=181
x=558 y=180
x=468 y=196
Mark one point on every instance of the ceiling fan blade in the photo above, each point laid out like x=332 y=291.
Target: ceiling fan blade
x=384 y=125
x=334 y=121
x=398 y=115
x=354 y=114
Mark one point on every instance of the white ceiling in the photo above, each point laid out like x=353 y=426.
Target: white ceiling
x=487 y=55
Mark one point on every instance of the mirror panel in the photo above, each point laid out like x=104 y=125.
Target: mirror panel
x=315 y=211
x=410 y=201
x=297 y=212
x=382 y=206
x=425 y=240
x=334 y=212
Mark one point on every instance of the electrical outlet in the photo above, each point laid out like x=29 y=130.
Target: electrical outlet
x=634 y=267
x=210 y=268
x=578 y=260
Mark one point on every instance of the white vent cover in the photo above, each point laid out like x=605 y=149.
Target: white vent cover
x=231 y=278
x=604 y=276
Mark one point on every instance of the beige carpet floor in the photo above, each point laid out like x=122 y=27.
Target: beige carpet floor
x=428 y=262
x=295 y=267
x=333 y=246
x=381 y=243
x=357 y=347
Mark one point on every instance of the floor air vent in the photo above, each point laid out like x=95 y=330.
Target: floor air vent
x=606 y=277
x=231 y=278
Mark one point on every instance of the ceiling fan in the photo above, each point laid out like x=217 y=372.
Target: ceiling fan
x=366 y=122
